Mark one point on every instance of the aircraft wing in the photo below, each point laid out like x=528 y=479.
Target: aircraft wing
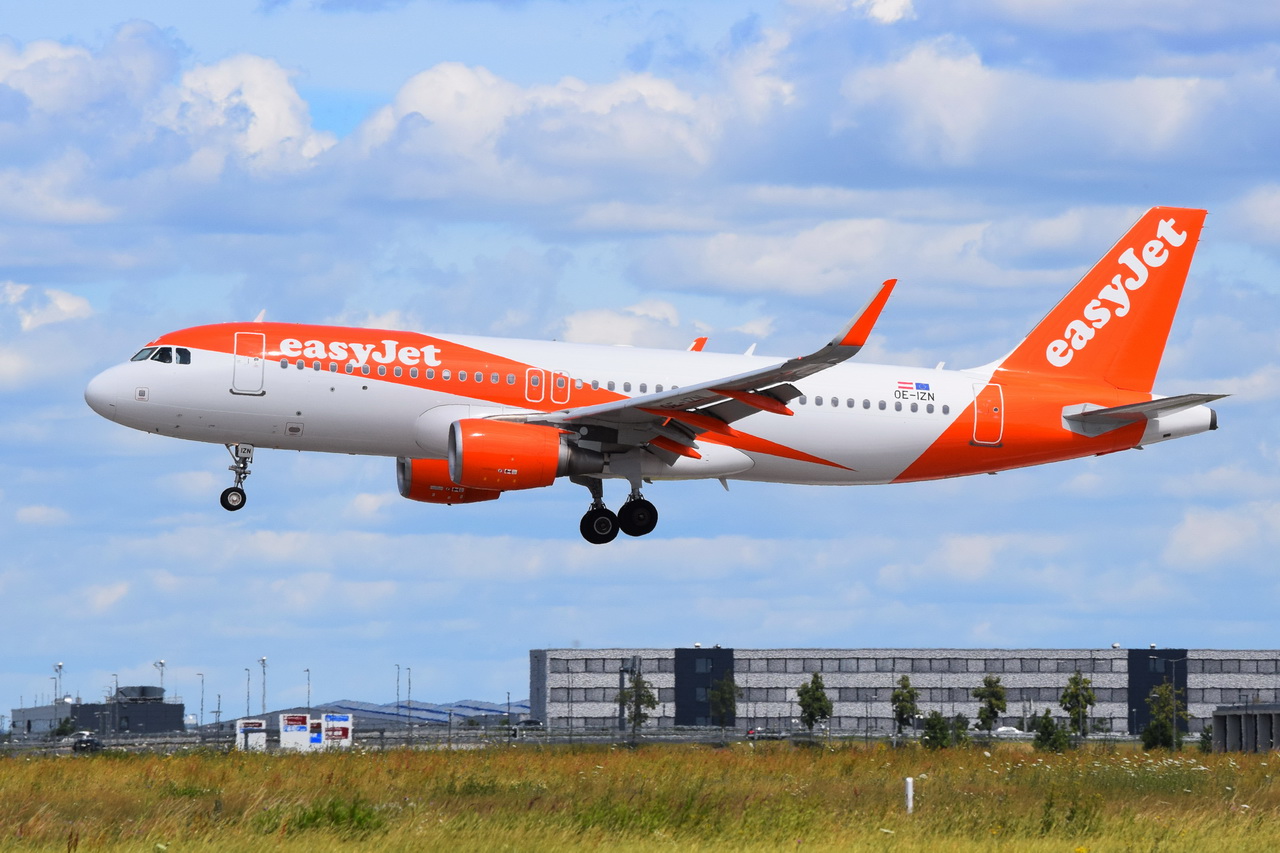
x=713 y=404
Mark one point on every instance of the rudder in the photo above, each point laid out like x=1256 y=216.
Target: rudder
x=1113 y=325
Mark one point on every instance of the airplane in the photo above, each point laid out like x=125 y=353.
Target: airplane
x=468 y=418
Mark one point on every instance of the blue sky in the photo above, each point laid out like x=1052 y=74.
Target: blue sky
x=636 y=173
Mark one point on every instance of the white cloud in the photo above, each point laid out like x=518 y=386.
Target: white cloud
x=950 y=108
x=880 y=11
x=652 y=323
x=244 y=106
x=1205 y=539
x=102 y=598
x=42 y=515
x=839 y=255
x=367 y=505
x=59 y=307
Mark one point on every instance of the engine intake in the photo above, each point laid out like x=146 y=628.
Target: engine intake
x=488 y=454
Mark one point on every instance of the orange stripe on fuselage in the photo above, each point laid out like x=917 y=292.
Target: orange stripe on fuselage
x=1033 y=430
x=452 y=356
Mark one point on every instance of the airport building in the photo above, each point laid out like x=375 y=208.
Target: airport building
x=581 y=685
x=132 y=710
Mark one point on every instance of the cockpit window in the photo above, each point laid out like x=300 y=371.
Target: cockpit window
x=143 y=354
x=184 y=355
x=163 y=355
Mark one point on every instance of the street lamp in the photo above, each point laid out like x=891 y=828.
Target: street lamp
x=409 y=675
x=160 y=666
x=263 y=661
x=397 y=693
x=308 y=672
x=201 y=674
x=247 y=673
x=1173 y=696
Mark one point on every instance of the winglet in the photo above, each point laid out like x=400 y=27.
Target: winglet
x=859 y=328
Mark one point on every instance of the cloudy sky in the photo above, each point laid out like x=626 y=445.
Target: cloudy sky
x=632 y=173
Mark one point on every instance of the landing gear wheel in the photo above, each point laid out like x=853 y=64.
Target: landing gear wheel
x=638 y=517
x=232 y=499
x=599 y=526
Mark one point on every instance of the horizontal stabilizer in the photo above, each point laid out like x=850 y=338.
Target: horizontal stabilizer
x=1092 y=420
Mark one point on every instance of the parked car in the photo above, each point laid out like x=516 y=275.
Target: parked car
x=86 y=742
x=765 y=734
x=525 y=727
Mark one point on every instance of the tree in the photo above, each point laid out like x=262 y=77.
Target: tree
x=637 y=700
x=815 y=705
x=904 y=703
x=991 y=701
x=723 y=698
x=1161 y=733
x=1050 y=736
x=937 y=731
x=1077 y=698
x=959 y=730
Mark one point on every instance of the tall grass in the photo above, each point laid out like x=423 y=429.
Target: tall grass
x=744 y=797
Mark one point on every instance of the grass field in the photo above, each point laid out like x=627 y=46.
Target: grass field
x=659 y=797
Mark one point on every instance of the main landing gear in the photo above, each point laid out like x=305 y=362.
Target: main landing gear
x=242 y=455
x=637 y=516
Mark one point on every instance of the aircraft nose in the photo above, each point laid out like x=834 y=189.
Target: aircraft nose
x=101 y=394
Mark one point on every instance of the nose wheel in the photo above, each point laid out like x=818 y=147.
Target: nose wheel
x=233 y=498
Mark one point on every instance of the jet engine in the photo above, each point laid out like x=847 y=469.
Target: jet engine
x=489 y=454
x=427 y=480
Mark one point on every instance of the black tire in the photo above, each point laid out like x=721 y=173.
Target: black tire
x=599 y=526
x=232 y=499
x=638 y=517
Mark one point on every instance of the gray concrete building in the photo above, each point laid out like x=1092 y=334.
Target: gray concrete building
x=132 y=710
x=582 y=684
x=1247 y=728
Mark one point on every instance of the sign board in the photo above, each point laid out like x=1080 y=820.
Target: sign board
x=295 y=733
x=251 y=735
x=336 y=730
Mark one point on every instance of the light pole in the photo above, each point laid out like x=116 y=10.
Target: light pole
x=263 y=661
x=201 y=674
x=160 y=666
x=408 y=670
x=1173 y=697
x=308 y=672
x=115 y=704
x=247 y=673
x=397 y=693
x=57 y=668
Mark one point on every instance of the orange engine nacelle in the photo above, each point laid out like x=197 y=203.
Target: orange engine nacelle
x=485 y=454
x=427 y=480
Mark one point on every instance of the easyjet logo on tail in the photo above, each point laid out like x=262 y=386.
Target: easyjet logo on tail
x=1114 y=299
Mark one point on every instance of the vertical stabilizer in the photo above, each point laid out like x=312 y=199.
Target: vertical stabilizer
x=1113 y=325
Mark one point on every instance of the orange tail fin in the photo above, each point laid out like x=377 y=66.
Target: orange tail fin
x=1113 y=325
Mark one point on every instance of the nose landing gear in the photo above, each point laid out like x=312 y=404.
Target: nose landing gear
x=600 y=525
x=233 y=498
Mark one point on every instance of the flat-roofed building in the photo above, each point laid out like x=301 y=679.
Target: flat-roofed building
x=582 y=684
